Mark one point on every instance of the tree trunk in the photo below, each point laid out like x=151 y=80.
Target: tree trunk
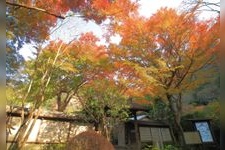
x=28 y=123
x=178 y=130
x=175 y=106
x=26 y=127
x=24 y=131
x=29 y=131
x=61 y=107
x=105 y=130
x=63 y=102
x=59 y=103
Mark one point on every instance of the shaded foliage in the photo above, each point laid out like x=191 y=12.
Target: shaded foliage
x=159 y=110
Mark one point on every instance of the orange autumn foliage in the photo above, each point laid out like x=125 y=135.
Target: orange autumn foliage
x=164 y=51
x=34 y=25
x=83 y=56
x=85 y=47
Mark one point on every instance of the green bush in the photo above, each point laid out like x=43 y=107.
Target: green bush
x=166 y=147
x=170 y=147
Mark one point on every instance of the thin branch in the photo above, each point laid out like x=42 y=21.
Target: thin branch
x=207 y=63
x=185 y=74
x=212 y=4
x=35 y=8
x=210 y=9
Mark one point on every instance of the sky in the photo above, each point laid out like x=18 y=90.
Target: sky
x=72 y=27
x=149 y=7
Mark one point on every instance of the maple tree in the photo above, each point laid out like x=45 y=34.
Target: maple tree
x=35 y=89
x=30 y=21
x=170 y=53
x=59 y=71
x=80 y=62
x=162 y=56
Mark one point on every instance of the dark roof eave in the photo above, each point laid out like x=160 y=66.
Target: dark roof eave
x=49 y=117
x=138 y=107
x=150 y=123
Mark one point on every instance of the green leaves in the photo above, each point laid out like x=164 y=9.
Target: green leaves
x=102 y=96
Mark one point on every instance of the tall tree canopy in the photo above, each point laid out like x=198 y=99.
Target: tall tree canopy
x=169 y=52
x=30 y=21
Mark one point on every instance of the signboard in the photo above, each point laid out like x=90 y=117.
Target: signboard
x=204 y=130
x=192 y=137
x=166 y=134
x=145 y=134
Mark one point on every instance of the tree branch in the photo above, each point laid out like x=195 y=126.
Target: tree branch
x=35 y=8
x=185 y=74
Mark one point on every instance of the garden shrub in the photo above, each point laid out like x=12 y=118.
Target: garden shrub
x=89 y=140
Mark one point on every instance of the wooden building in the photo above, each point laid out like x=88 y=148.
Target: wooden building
x=140 y=131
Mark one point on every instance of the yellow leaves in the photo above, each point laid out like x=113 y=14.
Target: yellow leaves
x=145 y=74
x=68 y=67
x=9 y=35
x=165 y=18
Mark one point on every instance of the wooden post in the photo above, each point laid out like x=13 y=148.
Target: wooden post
x=137 y=136
x=135 y=115
x=69 y=130
x=121 y=135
